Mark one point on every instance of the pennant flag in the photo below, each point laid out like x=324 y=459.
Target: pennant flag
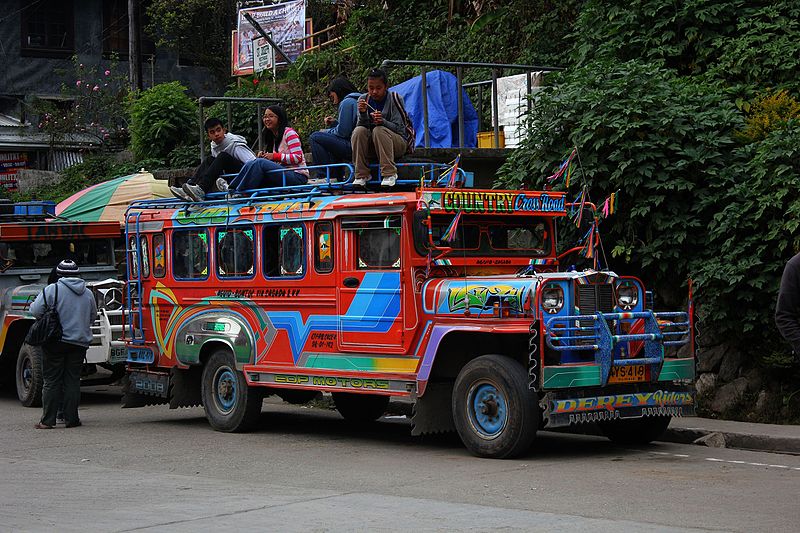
x=452 y=229
x=452 y=181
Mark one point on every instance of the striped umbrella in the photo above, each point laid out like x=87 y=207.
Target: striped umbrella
x=107 y=201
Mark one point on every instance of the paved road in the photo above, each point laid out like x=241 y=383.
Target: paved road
x=153 y=469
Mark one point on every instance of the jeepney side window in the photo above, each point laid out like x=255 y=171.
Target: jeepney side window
x=235 y=250
x=145 y=257
x=133 y=257
x=323 y=247
x=377 y=242
x=159 y=256
x=284 y=251
x=190 y=254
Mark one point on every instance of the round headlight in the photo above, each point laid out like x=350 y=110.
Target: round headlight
x=552 y=298
x=627 y=295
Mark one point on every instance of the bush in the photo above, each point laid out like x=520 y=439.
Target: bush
x=162 y=118
x=770 y=111
x=752 y=234
x=659 y=139
x=184 y=156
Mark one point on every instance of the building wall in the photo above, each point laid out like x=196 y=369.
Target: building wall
x=43 y=76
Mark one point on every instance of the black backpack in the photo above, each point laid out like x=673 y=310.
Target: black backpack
x=411 y=135
x=47 y=328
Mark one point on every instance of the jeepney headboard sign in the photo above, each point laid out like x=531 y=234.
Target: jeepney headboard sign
x=493 y=202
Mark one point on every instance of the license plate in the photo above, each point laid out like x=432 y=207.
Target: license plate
x=119 y=354
x=628 y=374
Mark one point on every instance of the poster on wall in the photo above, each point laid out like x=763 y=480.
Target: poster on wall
x=10 y=163
x=286 y=22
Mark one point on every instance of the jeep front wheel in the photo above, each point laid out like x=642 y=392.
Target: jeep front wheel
x=495 y=413
x=29 y=376
x=230 y=405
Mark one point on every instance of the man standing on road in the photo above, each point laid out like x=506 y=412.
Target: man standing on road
x=62 y=360
x=787 y=311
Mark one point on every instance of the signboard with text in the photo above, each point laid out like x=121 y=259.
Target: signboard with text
x=285 y=22
x=10 y=163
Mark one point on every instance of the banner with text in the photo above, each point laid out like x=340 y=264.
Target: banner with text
x=285 y=22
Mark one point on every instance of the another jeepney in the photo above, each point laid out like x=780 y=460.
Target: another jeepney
x=31 y=245
x=449 y=297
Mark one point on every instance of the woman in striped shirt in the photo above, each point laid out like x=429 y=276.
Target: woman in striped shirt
x=273 y=168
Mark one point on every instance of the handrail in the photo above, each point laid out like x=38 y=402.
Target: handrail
x=228 y=99
x=460 y=66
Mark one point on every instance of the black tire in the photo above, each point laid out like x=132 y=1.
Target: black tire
x=495 y=413
x=635 y=431
x=29 y=375
x=230 y=405
x=360 y=408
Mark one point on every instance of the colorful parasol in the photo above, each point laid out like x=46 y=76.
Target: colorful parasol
x=107 y=201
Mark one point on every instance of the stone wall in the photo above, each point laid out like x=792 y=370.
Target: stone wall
x=29 y=179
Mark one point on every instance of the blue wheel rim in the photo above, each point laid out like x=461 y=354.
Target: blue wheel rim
x=27 y=373
x=225 y=389
x=488 y=409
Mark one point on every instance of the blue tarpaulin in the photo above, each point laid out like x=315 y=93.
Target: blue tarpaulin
x=442 y=110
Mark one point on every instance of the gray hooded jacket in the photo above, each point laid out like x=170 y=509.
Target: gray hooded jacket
x=76 y=308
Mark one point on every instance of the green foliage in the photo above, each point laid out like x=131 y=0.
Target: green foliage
x=771 y=111
x=754 y=231
x=93 y=106
x=763 y=48
x=162 y=118
x=660 y=139
x=184 y=156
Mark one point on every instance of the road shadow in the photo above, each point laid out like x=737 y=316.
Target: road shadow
x=306 y=422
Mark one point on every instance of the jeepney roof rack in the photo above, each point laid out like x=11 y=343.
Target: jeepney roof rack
x=33 y=211
x=314 y=187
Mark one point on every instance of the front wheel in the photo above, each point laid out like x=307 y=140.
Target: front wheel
x=29 y=376
x=636 y=430
x=230 y=405
x=495 y=413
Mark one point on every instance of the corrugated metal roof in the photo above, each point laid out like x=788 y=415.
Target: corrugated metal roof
x=6 y=120
x=62 y=159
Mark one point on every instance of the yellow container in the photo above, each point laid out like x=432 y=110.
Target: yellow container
x=486 y=139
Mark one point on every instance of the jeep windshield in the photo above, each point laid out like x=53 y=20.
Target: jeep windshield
x=85 y=252
x=475 y=236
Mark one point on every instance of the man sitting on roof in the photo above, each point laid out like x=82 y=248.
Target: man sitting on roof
x=229 y=153
x=382 y=129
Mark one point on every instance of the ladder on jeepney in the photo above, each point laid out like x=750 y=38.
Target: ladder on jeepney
x=133 y=302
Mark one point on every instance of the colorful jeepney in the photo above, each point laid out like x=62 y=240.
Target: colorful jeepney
x=30 y=246
x=451 y=298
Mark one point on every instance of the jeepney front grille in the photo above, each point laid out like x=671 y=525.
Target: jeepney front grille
x=590 y=300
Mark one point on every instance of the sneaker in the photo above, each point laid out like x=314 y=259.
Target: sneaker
x=178 y=192
x=60 y=419
x=74 y=424
x=194 y=191
x=360 y=182
x=389 y=181
x=222 y=185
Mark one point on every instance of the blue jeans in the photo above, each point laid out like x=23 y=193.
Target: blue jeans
x=327 y=148
x=255 y=174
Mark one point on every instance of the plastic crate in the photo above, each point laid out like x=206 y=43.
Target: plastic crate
x=35 y=208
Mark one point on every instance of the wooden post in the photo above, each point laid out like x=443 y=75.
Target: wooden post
x=134 y=63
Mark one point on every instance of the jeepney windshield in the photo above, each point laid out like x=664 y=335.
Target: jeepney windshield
x=27 y=254
x=481 y=235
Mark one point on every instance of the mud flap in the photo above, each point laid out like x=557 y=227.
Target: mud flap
x=433 y=412
x=140 y=389
x=184 y=387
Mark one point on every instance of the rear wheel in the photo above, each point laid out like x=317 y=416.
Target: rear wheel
x=495 y=413
x=360 y=408
x=636 y=430
x=230 y=405
x=29 y=375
